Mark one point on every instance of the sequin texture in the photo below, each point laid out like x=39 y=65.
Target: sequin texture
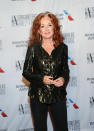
x=39 y=63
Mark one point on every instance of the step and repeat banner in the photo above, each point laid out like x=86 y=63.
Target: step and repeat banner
x=77 y=20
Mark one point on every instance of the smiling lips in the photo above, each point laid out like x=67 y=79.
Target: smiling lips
x=47 y=33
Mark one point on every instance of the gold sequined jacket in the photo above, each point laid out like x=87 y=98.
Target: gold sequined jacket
x=39 y=63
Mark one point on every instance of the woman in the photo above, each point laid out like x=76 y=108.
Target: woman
x=46 y=68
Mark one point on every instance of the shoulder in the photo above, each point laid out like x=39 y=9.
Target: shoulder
x=34 y=46
x=63 y=45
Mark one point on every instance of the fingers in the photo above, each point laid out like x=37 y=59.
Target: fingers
x=60 y=79
x=48 y=80
x=59 y=82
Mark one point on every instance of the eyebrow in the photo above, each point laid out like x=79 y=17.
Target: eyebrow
x=48 y=23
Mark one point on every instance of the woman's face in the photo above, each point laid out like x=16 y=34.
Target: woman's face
x=46 y=28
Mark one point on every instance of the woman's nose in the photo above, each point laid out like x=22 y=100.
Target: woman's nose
x=46 y=27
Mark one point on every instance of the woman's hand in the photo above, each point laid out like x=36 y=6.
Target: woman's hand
x=59 y=82
x=48 y=80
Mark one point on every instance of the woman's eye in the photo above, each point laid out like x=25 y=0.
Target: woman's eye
x=42 y=26
x=50 y=25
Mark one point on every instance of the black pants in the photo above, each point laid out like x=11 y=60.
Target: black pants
x=58 y=114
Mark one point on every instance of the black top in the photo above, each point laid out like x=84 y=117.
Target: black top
x=39 y=63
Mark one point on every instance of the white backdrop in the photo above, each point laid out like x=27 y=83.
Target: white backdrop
x=77 y=20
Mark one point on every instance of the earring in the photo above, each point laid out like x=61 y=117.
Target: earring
x=40 y=37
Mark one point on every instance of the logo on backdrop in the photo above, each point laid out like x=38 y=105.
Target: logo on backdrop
x=91 y=80
x=89 y=12
x=91 y=124
x=89 y=36
x=73 y=103
x=70 y=18
x=90 y=58
x=2 y=89
x=69 y=38
x=71 y=61
x=2 y=113
x=91 y=101
x=21 y=88
x=19 y=65
x=74 y=125
x=73 y=81
x=22 y=20
x=23 y=109
x=1 y=70
x=19 y=43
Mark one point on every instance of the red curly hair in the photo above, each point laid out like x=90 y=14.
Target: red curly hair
x=34 y=34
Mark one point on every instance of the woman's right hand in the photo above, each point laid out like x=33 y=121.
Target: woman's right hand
x=48 y=80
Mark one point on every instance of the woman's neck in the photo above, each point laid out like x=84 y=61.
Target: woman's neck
x=47 y=42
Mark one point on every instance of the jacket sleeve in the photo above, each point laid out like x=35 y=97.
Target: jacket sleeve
x=27 y=68
x=65 y=68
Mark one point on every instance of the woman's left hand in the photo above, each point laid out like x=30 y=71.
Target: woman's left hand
x=59 y=82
